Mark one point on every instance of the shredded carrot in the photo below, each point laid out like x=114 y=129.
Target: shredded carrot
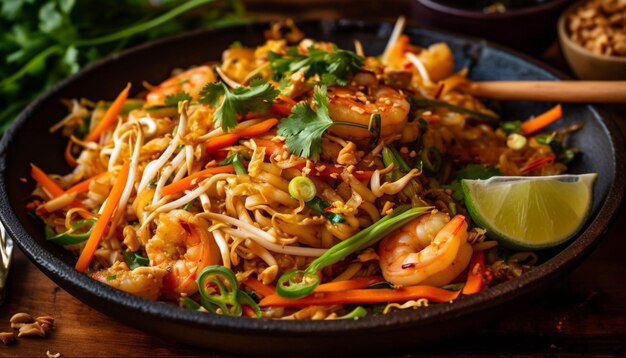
x=543 y=120
x=216 y=143
x=69 y=157
x=258 y=129
x=271 y=148
x=45 y=181
x=352 y=284
x=259 y=287
x=248 y=311
x=283 y=106
x=192 y=180
x=83 y=186
x=100 y=226
x=223 y=141
x=109 y=116
x=430 y=293
x=475 y=281
x=55 y=190
x=538 y=163
x=287 y=99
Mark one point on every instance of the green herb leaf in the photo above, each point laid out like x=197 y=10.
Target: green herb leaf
x=235 y=160
x=304 y=127
x=180 y=96
x=333 y=67
x=243 y=100
x=134 y=260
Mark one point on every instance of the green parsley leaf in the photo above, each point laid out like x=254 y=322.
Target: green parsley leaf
x=180 y=96
x=257 y=98
x=333 y=67
x=304 y=127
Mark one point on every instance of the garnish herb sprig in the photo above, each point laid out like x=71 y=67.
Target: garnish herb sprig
x=44 y=41
x=334 y=67
x=240 y=101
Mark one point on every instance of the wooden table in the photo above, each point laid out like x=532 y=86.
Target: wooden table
x=584 y=314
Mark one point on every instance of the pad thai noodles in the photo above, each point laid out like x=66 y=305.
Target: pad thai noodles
x=293 y=180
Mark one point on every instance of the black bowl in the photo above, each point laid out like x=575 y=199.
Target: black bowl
x=28 y=141
x=530 y=28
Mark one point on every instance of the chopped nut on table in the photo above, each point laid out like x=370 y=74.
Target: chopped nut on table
x=600 y=26
x=7 y=337
x=20 y=319
x=28 y=326
x=31 y=330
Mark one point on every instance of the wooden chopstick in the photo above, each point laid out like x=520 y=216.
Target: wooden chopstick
x=557 y=91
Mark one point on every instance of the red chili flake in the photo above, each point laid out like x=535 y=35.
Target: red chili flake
x=328 y=209
x=538 y=163
x=408 y=266
x=440 y=90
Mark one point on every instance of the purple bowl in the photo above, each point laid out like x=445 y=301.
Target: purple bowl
x=529 y=29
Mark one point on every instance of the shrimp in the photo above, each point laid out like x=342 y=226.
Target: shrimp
x=354 y=106
x=191 y=81
x=143 y=281
x=424 y=250
x=183 y=246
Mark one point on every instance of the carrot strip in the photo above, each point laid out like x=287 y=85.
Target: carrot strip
x=271 y=148
x=248 y=311
x=109 y=116
x=258 y=129
x=431 y=293
x=69 y=157
x=192 y=180
x=538 y=163
x=259 y=287
x=286 y=99
x=283 y=106
x=475 y=282
x=103 y=220
x=534 y=124
x=217 y=143
x=55 y=190
x=353 y=284
x=45 y=181
x=84 y=185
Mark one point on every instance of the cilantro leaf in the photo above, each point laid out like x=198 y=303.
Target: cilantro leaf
x=332 y=67
x=304 y=127
x=257 y=98
x=180 y=96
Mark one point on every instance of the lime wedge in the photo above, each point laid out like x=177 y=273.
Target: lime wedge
x=530 y=212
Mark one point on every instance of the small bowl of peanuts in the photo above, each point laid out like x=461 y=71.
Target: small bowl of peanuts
x=592 y=34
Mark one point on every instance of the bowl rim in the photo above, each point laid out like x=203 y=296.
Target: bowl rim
x=82 y=284
x=567 y=41
x=478 y=14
